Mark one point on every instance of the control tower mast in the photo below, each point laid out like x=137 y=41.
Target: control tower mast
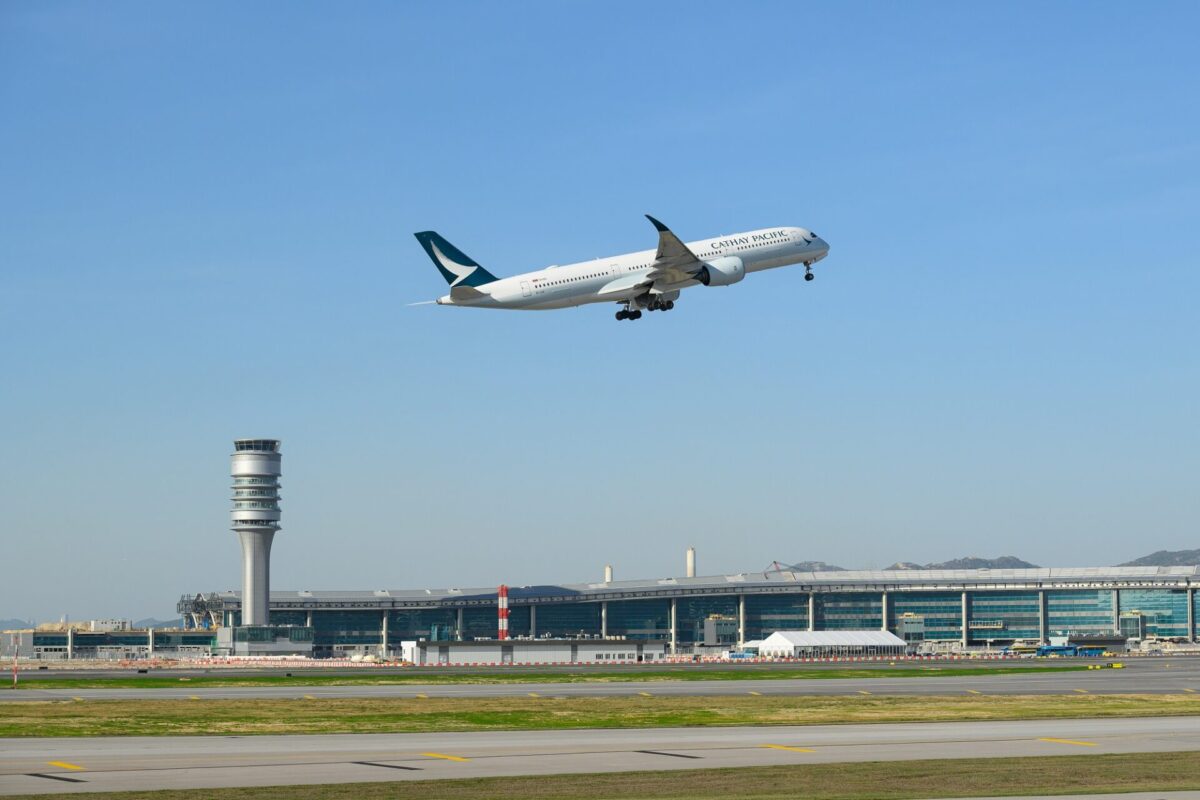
x=256 y=467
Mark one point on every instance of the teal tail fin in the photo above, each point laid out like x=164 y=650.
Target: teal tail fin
x=456 y=266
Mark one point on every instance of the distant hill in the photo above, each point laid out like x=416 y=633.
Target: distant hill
x=970 y=562
x=14 y=624
x=151 y=622
x=813 y=566
x=1166 y=558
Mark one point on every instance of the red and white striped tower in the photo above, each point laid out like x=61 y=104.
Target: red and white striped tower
x=503 y=611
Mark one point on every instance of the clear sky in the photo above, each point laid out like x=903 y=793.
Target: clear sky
x=206 y=217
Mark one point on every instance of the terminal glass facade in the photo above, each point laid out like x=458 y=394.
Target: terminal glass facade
x=639 y=619
x=483 y=622
x=1003 y=615
x=939 y=614
x=1080 y=611
x=289 y=616
x=347 y=628
x=691 y=612
x=768 y=613
x=849 y=611
x=568 y=619
x=1196 y=614
x=178 y=639
x=994 y=615
x=413 y=624
x=1164 y=612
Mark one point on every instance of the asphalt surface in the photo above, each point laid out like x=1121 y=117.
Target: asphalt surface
x=1153 y=676
x=144 y=763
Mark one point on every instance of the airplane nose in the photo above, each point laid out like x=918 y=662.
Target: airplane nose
x=822 y=248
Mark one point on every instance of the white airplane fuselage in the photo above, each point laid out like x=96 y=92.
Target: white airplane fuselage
x=622 y=279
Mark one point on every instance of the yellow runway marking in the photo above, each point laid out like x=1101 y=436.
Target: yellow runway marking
x=863 y=691
x=1066 y=741
x=64 y=765
x=1190 y=691
x=757 y=694
x=193 y=697
x=645 y=694
x=443 y=755
x=422 y=696
x=309 y=697
x=77 y=699
x=534 y=694
x=785 y=747
x=974 y=691
x=1081 y=691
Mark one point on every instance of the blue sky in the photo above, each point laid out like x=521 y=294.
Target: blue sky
x=205 y=233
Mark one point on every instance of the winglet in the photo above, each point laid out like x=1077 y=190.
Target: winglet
x=658 y=225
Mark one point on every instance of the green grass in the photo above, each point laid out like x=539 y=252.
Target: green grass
x=893 y=780
x=402 y=676
x=156 y=717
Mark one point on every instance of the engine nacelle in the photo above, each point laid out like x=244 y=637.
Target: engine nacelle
x=722 y=271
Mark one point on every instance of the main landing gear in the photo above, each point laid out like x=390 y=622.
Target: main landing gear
x=631 y=311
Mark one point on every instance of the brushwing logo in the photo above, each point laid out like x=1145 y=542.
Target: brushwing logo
x=460 y=271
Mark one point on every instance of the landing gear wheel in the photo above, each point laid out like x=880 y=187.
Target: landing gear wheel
x=622 y=315
x=635 y=315
x=670 y=304
x=808 y=276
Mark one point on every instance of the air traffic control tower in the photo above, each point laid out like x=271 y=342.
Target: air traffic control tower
x=256 y=469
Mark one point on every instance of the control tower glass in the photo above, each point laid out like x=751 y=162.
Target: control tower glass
x=256 y=466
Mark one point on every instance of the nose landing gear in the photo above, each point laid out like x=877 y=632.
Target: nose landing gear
x=808 y=273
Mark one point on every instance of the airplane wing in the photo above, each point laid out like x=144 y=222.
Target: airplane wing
x=674 y=262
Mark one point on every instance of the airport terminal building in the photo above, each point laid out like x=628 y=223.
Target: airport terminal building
x=963 y=608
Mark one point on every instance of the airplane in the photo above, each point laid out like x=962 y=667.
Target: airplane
x=649 y=280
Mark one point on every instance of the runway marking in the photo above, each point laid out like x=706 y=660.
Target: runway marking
x=309 y=697
x=64 y=765
x=1190 y=691
x=77 y=699
x=785 y=747
x=422 y=696
x=194 y=697
x=446 y=757
x=863 y=691
x=387 y=766
x=1081 y=691
x=55 y=777
x=756 y=694
x=645 y=694
x=661 y=753
x=1066 y=741
x=534 y=694
x=974 y=691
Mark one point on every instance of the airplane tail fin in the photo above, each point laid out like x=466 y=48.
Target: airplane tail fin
x=456 y=266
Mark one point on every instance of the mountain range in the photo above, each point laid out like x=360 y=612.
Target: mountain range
x=1166 y=558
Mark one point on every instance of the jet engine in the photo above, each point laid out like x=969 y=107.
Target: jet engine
x=722 y=271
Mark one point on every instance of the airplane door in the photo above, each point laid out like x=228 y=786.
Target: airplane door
x=525 y=291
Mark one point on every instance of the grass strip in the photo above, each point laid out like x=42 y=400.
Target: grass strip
x=57 y=718
x=399 y=678
x=877 y=780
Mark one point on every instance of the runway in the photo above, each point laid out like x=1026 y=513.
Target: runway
x=1153 y=676
x=143 y=763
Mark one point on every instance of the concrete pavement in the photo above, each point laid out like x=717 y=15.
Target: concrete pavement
x=142 y=763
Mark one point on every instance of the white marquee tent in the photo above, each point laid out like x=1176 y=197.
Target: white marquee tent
x=811 y=644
